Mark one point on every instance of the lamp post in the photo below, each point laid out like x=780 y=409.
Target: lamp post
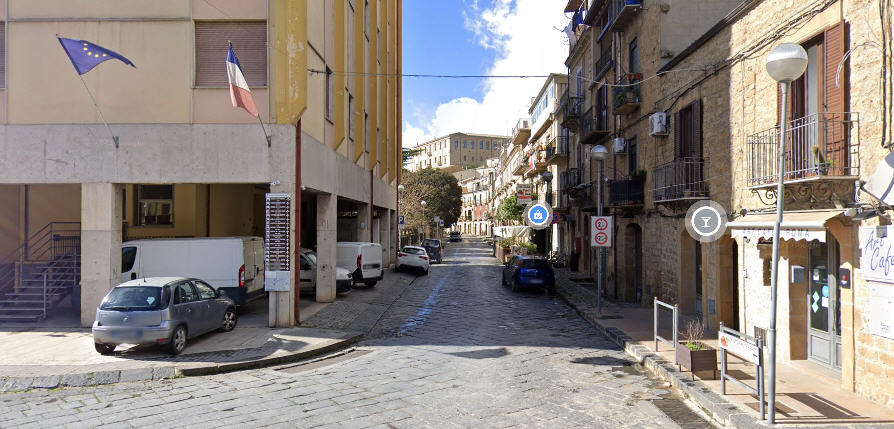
x=424 y=220
x=400 y=235
x=599 y=153
x=785 y=63
x=547 y=177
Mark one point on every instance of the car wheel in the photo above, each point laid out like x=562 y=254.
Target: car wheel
x=177 y=342
x=503 y=279
x=372 y=283
x=104 y=349
x=425 y=272
x=229 y=320
x=397 y=269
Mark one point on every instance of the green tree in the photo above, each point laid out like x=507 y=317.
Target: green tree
x=408 y=153
x=510 y=210
x=439 y=190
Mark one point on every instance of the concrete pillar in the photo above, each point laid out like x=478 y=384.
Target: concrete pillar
x=327 y=225
x=387 y=236
x=281 y=305
x=100 y=244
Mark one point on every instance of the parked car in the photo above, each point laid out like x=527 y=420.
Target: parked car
x=160 y=310
x=455 y=236
x=232 y=265
x=413 y=257
x=529 y=271
x=363 y=259
x=308 y=275
x=433 y=247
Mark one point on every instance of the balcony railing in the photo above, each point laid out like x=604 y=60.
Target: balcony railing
x=626 y=98
x=626 y=192
x=557 y=150
x=818 y=147
x=603 y=64
x=593 y=126
x=623 y=12
x=572 y=108
x=680 y=179
x=572 y=178
x=521 y=132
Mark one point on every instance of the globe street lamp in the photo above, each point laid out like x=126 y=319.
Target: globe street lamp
x=599 y=153
x=785 y=63
x=425 y=223
x=547 y=177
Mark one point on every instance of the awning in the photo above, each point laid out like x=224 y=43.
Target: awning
x=806 y=225
x=511 y=231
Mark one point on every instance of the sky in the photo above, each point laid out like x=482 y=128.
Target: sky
x=476 y=37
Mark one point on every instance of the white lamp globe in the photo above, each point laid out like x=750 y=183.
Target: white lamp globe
x=786 y=62
x=599 y=153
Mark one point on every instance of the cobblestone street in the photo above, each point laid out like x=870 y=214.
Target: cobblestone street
x=451 y=349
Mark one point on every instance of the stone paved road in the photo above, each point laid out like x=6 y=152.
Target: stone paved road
x=453 y=349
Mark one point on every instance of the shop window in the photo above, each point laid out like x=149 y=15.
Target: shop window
x=156 y=205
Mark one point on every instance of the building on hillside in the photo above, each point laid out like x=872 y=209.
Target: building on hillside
x=456 y=151
x=476 y=217
x=186 y=163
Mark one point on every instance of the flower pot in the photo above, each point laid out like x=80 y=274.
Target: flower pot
x=697 y=360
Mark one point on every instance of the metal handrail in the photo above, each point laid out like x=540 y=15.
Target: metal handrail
x=759 y=366
x=679 y=179
x=676 y=315
x=54 y=240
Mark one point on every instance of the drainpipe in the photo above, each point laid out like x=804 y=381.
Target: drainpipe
x=371 y=206
x=297 y=204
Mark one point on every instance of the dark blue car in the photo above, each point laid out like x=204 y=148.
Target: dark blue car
x=529 y=272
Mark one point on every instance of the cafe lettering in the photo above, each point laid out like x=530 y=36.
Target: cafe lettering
x=877 y=253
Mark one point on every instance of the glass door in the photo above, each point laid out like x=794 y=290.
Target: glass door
x=824 y=320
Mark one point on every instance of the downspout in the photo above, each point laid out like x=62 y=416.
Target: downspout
x=371 y=206
x=297 y=207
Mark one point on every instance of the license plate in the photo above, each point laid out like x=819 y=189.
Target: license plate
x=127 y=334
x=536 y=281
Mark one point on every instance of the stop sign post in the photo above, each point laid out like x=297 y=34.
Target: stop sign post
x=601 y=231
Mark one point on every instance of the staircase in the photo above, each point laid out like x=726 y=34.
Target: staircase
x=40 y=273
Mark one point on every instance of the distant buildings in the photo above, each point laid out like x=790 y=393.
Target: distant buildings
x=457 y=151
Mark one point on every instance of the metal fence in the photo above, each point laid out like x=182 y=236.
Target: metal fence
x=681 y=178
x=676 y=316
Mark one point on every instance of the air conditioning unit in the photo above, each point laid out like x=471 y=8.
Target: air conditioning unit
x=658 y=124
x=619 y=145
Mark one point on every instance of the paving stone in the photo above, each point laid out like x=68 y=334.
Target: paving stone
x=105 y=377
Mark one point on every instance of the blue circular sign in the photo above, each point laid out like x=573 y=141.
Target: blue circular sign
x=539 y=215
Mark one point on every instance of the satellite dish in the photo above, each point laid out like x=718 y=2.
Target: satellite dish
x=881 y=184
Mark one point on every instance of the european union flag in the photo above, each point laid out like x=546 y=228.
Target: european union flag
x=85 y=55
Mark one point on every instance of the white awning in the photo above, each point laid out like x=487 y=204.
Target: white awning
x=806 y=225
x=511 y=231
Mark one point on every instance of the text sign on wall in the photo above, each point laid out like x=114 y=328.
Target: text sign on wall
x=600 y=231
x=523 y=193
x=877 y=253
x=881 y=318
x=739 y=347
x=276 y=242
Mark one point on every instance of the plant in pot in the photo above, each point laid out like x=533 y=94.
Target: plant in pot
x=692 y=353
x=822 y=164
x=638 y=175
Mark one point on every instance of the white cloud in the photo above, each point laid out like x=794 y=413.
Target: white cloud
x=524 y=34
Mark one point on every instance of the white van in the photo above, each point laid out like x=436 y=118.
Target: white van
x=233 y=265
x=364 y=259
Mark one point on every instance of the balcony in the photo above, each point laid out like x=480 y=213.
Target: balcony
x=584 y=199
x=521 y=132
x=572 y=107
x=623 y=12
x=593 y=126
x=521 y=167
x=680 y=179
x=557 y=151
x=603 y=64
x=626 y=98
x=626 y=193
x=819 y=148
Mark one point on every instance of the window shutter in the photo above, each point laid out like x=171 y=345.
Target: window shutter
x=249 y=40
x=835 y=103
x=678 y=132
x=2 y=55
x=695 y=146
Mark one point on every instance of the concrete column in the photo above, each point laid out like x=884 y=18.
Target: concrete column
x=327 y=224
x=281 y=305
x=387 y=236
x=100 y=244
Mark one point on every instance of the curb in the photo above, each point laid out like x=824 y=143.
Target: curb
x=723 y=412
x=98 y=378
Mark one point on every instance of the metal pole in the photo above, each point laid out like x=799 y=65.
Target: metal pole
x=780 y=200
x=655 y=321
x=45 y=295
x=760 y=377
x=722 y=365
x=676 y=315
x=599 y=254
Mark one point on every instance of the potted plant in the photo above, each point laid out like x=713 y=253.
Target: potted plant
x=822 y=164
x=638 y=175
x=692 y=353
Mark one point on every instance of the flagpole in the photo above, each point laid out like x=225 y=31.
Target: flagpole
x=267 y=136
x=114 y=137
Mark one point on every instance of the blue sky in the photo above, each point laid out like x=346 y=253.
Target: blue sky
x=476 y=37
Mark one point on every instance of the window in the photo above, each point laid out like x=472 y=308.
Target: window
x=481 y=144
x=366 y=19
x=456 y=144
x=249 y=40
x=205 y=291
x=128 y=257
x=580 y=82
x=155 y=205
x=139 y=298
x=350 y=115
x=688 y=131
x=631 y=155
x=487 y=145
x=2 y=55
x=330 y=94
x=633 y=58
x=464 y=144
x=185 y=294
x=366 y=132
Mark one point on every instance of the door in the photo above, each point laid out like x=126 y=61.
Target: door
x=824 y=318
x=697 y=260
x=186 y=305
x=211 y=316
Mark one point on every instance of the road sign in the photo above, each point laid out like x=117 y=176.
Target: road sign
x=600 y=231
x=539 y=215
x=523 y=193
x=556 y=218
x=441 y=222
x=400 y=220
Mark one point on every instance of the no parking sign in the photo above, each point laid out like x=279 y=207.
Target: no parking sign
x=600 y=231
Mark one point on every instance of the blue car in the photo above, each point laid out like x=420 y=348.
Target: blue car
x=529 y=272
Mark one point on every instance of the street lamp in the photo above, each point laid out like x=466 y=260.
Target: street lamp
x=547 y=177
x=425 y=223
x=785 y=63
x=599 y=153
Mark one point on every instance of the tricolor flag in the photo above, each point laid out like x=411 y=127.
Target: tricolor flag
x=239 y=92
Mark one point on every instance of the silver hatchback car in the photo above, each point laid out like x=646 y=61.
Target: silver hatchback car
x=160 y=310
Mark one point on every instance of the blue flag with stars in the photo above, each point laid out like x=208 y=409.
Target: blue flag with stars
x=85 y=55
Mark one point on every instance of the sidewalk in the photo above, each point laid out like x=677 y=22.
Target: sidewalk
x=806 y=395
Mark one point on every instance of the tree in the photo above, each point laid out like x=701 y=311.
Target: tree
x=510 y=210
x=408 y=153
x=439 y=190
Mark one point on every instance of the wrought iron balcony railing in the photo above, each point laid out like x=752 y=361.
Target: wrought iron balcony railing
x=603 y=64
x=593 y=126
x=626 y=97
x=622 y=12
x=572 y=107
x=626 y=192
x=821 y=146
x=680 y=179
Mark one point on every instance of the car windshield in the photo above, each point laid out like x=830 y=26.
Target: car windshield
x=135 y=298
x=431 y=243
x=414 y=251
x=535 y=263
